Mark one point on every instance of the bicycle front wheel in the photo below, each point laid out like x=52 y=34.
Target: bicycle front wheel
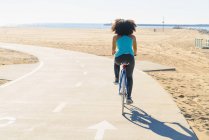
x=123 y=103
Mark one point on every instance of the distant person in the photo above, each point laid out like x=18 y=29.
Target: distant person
x=126 y=45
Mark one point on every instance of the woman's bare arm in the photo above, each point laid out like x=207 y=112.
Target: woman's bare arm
x=114 y=45
x=134 y=45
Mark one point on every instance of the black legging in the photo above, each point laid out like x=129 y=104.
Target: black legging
x=125 y=58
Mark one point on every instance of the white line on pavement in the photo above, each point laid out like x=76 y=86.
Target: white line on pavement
x=78 y=84
x=85 y=73
x=34 y=127
x=24 y=76
x=82 y=65
x=60 y=107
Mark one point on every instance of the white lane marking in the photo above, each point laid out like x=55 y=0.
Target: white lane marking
x=24 y=76
x=100 y=127
x=85 y=73
x=60 y=107
x=10 y=120
x=29 y=129
x=78 y=84
x=82 y=65
x=34 y=127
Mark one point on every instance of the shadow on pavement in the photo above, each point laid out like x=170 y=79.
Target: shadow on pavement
x=144 y=120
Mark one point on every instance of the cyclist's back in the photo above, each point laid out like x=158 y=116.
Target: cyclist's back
x=124 y=44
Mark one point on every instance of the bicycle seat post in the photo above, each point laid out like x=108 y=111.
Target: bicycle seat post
x=124 y=65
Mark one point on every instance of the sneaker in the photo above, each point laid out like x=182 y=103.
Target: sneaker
x=129 y=101
x=116 y=82
x=120 y=93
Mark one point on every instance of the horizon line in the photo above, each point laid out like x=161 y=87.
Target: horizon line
x=138 y=24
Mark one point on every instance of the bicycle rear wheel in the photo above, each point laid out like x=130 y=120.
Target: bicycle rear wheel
x=123 y=95
x=123 y=103
x=122 y=88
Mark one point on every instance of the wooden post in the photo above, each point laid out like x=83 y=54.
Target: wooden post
x=163 y=23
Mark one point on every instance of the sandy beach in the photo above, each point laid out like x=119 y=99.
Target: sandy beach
x=189 y=84
x=8 y=57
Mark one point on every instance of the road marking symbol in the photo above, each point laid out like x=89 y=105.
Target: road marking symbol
x=101 y=127
x=10 y=120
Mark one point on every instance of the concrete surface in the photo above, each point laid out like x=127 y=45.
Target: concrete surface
x=70 y=96
x=13 y=72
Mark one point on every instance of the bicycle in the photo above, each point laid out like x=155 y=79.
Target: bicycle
x=123 y=85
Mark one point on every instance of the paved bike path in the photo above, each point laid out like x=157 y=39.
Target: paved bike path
x=70 y=96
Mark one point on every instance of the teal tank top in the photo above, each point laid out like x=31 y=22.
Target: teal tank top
x=124 y=46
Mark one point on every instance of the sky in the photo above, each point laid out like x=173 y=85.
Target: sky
x=104 y=11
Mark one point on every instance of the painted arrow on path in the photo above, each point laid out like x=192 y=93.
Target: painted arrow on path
x=101 y=127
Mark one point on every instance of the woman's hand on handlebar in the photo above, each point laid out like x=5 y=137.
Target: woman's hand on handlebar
x=113 y=52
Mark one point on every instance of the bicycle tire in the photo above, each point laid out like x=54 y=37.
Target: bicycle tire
x=123 y=87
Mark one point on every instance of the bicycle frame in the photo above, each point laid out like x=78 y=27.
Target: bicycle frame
x=123 y=86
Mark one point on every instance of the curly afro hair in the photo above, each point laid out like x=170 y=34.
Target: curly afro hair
x=123 y=27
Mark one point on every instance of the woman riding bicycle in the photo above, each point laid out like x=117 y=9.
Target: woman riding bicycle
x=126 y=45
